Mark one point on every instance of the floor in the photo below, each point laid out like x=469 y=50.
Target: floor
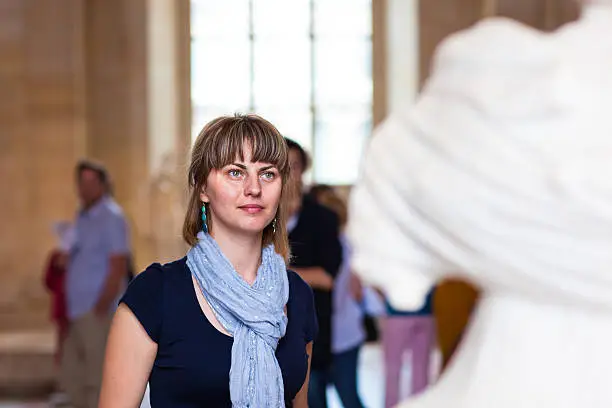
x=371 y=379
x=371 y=382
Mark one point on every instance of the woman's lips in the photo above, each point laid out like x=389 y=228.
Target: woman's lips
x=251 y=208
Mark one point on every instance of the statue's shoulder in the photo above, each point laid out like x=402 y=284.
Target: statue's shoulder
x=491 y=42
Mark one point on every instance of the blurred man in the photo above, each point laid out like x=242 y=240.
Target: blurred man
x=96 y=274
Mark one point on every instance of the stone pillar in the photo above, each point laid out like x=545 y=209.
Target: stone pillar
x=169 y=126
x=105 y=79
x=545 y=15
x=379 y=60
x=42 y=134
x=136 y=114
x=439 y=18
x=116 y=49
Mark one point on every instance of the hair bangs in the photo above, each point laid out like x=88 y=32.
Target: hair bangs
x=230 y=135
x=267 y=145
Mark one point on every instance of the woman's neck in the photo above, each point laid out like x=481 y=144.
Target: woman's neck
x=243 y=252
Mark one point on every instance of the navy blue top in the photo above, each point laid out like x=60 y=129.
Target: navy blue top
x=192 y=365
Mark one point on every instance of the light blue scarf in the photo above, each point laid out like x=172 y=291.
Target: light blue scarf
x=253 y=315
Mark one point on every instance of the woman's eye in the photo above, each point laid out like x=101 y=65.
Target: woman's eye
x=234 y=173
x=268 y=175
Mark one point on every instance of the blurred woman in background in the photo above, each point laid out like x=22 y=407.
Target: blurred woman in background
x=348 y=333
x=316 y=255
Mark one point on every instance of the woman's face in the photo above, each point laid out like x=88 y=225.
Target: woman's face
x=242 y=197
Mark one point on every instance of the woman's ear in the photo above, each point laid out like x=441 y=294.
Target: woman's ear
x=203 y=196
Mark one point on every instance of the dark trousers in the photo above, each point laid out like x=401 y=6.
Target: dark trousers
x=343 y=375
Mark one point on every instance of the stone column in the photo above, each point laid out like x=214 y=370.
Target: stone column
x=169 y=126
x=105 y=79
x=117 y=104
x=545 y=15
x=42 y=134
x=439 y=18
x=136 y=79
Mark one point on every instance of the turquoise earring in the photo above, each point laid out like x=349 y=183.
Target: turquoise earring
x=204 y=226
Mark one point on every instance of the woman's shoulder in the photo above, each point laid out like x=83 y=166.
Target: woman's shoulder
x=146 y=293
x=178 y=265
x=156 y=273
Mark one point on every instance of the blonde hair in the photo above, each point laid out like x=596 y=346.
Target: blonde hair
x=220 y=142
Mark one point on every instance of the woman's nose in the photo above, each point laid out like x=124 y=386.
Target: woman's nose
x=252 y=186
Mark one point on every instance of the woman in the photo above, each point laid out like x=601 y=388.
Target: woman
x=227 y=325
x=316 y=255
x=348 y=332
x=408 y=331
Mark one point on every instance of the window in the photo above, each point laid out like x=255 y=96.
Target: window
x=305 y=65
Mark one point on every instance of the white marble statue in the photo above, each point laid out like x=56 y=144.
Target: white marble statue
x=502 y=174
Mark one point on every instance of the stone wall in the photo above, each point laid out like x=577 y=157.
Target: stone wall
x=75 y=81
x=42 y=133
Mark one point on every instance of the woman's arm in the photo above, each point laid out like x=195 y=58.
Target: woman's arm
x=130 y=354
x=301 y=399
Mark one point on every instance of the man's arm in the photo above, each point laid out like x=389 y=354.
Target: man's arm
x=316 y=277
x=117 y=235
x=116 y=275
